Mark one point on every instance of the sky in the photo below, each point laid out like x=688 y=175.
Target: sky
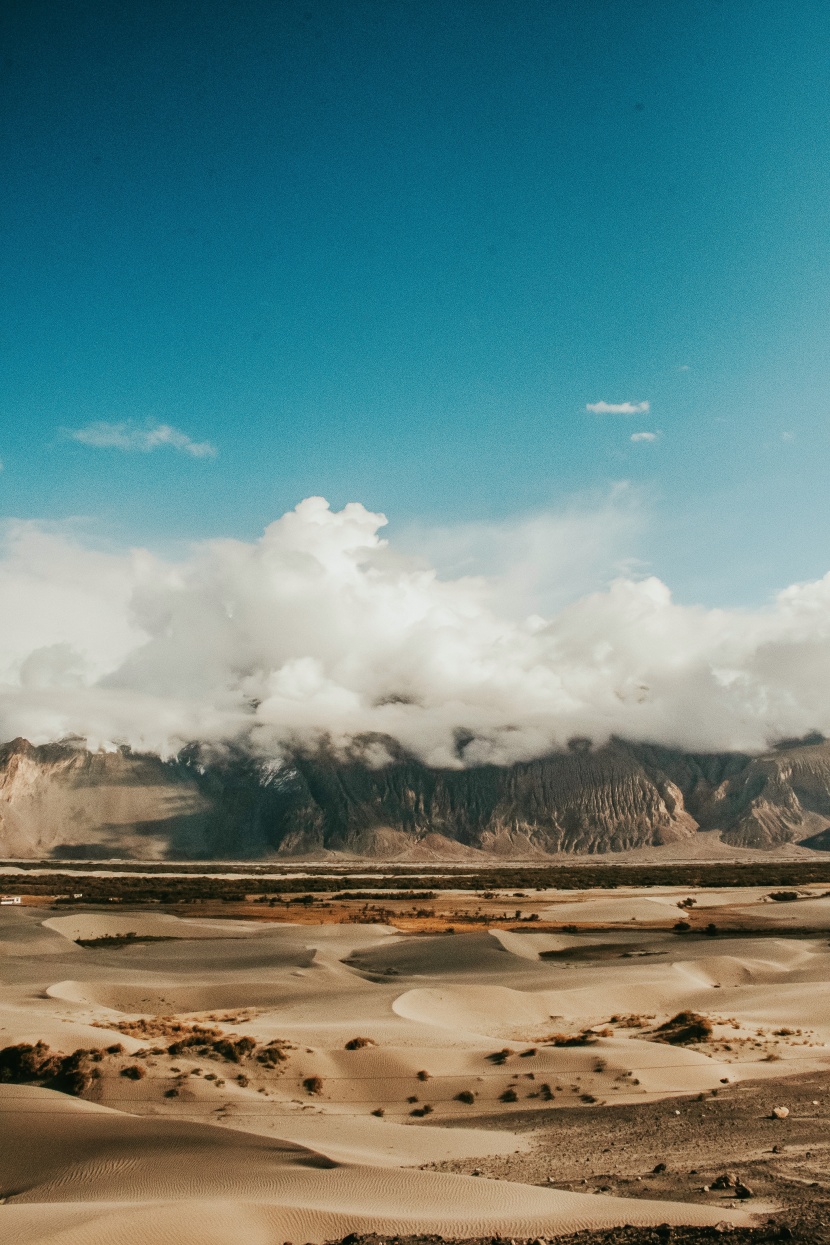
x=546 y=285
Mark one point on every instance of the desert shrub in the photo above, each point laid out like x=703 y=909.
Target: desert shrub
x=545 y=1092
x=684 y=1028
x=159 y=1026
x=466 y=1096
x=379 y=1112
x=630 y=1022
x=74 y=1076
x=242 y=1080
x=527 y=1054
x=171 y=1093
x=117 y=1048
x=784 y=896
x=586 y=1038
x=134 y=1072
x=234 y=1049
x=423 y=1075
x=358 y=1043
x=500 y=1056
x=273 y=1053
x=313 y=1084
x=509 y=1095
x=24 y=1063
x=37 y=1064
x=192 y=1035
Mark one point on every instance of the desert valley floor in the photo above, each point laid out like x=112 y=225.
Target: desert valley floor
x=260 y=1081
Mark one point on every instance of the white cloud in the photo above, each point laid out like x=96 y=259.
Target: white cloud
x=644 y=436
x=538 y=562
x=618 y=408
x=321 y=627
x=141 y=438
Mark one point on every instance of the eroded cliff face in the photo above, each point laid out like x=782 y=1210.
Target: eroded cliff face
x=62 y=801
x=580 y=801
x=780 y=797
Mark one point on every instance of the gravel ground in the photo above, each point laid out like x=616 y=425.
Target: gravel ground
x=662 y=1235
x=677 y=1149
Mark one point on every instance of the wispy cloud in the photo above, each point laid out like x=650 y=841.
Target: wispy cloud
x=618 y=408
x=644 y=436
x=140 y=438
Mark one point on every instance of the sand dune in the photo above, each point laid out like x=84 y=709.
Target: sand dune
x=485 y=1011
x=218 y=1222
x=151 y=997
x=531 y=946
x=202 y=1148
x=146 y=924
x=159 y=1176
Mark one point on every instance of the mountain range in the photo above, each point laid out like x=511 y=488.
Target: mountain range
x=62 y=801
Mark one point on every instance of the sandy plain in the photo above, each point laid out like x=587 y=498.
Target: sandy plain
x=479 y=1054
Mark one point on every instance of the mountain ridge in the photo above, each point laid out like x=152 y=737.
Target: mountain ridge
x=61 y=801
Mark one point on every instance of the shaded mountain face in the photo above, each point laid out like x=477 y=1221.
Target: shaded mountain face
x=62 y=801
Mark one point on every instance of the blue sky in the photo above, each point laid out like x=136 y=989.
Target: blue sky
x=388 y=252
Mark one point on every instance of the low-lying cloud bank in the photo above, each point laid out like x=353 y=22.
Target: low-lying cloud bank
x=321 y=629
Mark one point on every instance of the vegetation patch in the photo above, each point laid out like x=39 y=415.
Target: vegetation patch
x=123 y=940
x=134 y=1072
x=27 y=1064
x=684 y=1029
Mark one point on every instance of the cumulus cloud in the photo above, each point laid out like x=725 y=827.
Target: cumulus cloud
x=644 y=436
x=323 y=629
x=140 y=438
x=618 y=408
